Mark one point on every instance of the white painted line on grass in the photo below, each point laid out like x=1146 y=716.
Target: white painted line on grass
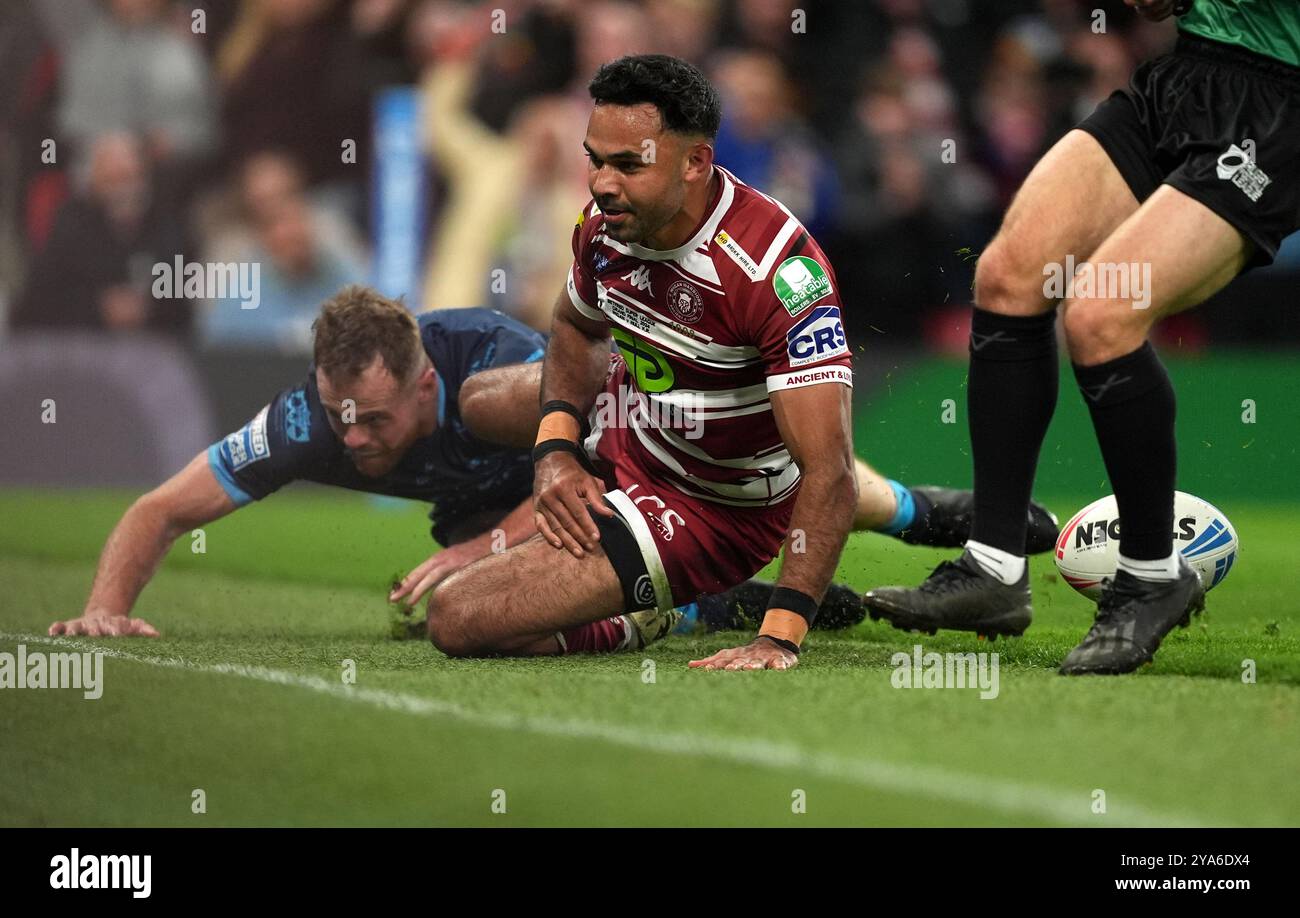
x=929 y=781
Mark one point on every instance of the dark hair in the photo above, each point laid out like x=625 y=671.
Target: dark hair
x=687 y=102
x=356 y=325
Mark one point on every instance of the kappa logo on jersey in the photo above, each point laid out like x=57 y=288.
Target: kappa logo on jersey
x=1237 y=166
x=640 y=278
x=248 y=444
x=685 y=302
x=799 y=282
x=818 y=337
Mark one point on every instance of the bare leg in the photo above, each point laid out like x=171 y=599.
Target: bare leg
x=877 y=503
x=515 y=602
x=1191 y=252
x=1071 y=201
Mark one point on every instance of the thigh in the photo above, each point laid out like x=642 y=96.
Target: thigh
x=1072 y=200
x=1172 y=254
x=505 y=602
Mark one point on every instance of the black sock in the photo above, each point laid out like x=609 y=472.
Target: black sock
x=1132 y=405
x=1012 y=394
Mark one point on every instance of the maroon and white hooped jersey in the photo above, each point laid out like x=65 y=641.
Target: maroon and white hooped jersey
x=749 y=305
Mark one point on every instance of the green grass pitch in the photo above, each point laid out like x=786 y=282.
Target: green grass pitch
x=243 y=698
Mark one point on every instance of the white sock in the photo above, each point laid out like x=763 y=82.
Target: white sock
x=1003 y=565
x=1164 y=569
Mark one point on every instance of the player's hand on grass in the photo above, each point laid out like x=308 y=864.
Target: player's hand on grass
x=1153 y=10
x=759 y=653
x=92 y=625
x=413 y=587
x=562 y=491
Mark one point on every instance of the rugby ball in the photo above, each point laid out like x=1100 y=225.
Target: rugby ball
x=1087 y=550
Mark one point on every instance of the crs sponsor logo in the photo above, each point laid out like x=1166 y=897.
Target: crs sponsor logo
x=819 y=336
x=665 y=523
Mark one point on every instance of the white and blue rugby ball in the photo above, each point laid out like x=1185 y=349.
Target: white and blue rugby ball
x=1087 y=550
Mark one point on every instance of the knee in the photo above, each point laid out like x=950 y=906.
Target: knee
x=1005 y=284
x=446 y=621
x=1097 y=334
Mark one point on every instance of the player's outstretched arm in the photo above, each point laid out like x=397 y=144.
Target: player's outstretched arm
x=577 y=360
x=814 y=422
x=189 y=499
x=501 y=405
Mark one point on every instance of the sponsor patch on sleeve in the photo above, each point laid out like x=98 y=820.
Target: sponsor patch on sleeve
x=248 y=444
x=799 y=282
x=813 y=377
x=818 y=336
x=738 y=255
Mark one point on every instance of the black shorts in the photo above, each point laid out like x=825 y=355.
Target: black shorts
x=1189 y=118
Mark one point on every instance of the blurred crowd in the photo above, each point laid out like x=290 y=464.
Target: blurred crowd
x=133 y=132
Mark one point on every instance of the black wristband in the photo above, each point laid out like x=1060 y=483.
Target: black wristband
x=556 y=445
x=559 y=404
x=792 y=600
x=783 y=643
x=561 y=445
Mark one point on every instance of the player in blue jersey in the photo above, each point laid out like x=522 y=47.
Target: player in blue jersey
x=384 y=410
x=441 y=407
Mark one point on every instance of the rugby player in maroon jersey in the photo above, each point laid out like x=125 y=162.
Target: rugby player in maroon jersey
x=720 y=429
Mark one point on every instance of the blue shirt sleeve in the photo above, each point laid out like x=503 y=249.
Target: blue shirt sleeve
x=287 y=440
x=508 y=341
